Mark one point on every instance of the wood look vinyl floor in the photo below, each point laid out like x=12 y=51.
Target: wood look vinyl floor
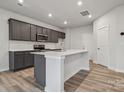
x=99 y=79
x=20 y=81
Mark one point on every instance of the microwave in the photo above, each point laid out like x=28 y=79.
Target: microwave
x=41 y=37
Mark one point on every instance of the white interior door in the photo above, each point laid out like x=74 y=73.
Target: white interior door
x=103 y=46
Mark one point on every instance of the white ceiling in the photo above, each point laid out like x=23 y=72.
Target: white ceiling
x=62 y=10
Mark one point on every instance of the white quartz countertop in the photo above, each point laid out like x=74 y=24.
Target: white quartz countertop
x=57 y=54
x=21 y=50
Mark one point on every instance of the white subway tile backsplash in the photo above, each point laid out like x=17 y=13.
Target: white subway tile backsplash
x=25 y=45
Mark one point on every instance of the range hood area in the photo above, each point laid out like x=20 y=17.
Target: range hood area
x=42 y=37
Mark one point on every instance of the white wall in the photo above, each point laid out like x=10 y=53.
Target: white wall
x=79 y=38
x=115 y=21
x=5 y=45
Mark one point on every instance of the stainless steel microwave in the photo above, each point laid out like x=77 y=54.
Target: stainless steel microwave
x=41 y=37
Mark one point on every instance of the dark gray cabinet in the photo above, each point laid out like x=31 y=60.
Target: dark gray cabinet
x=23 y=31
x=49 y=31
x=61 y=35
x=45 y=31
x=20 y=60
x=33 y=32
x=19 y=30
x=40 y=69
x=39 y=30
x=28 y=60
x=54 y=36
x=15 y=30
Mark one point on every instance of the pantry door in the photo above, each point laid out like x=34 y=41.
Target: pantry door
x=103 y=46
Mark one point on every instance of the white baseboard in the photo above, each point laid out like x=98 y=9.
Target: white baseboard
x=119 y=70
x=4 y=69
x=112 y=68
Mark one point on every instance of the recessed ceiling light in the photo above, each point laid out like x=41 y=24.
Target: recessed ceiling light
x=65 y=22
x=21 y=1
x=79 y=3
x=90 y=16
x=50 y=15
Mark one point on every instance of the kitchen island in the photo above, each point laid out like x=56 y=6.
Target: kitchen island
x=61 y=65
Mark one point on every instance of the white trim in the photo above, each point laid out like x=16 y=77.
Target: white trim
x=105 y=26
x=4 y=69
x=119 y=70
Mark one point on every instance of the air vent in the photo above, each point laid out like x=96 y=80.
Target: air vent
x=19 y=4
x=84 y=13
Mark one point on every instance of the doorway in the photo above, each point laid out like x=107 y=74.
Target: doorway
x=103 y=46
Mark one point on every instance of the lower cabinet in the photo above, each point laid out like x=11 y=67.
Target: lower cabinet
x=28 y=60
x=20 y=60
x=40 y=69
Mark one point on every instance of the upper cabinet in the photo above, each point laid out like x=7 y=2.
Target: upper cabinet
x=61 y=35
x=45 y=31
x=23 y=31
x=54 y=36
x=19 y=30
x=33 y=32
x=14 y=30
x=39 y=30
x=49 y=32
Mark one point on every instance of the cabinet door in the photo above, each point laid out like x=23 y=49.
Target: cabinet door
x=14 y=30
x=39 y=30
x=19 y=30
x=25 y=31
x=61 y=35
x=45 y=31
x=19 y=62
x=28 y=60
x=49 y=31
x=33 y=32
x=40 y=69
x=54 y=36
